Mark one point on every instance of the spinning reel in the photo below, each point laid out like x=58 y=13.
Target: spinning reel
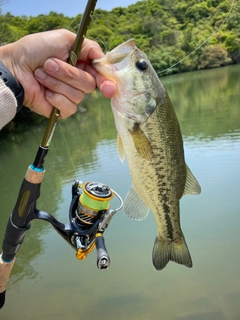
x=89 y=216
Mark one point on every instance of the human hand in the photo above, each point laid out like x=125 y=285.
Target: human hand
x=38 y=62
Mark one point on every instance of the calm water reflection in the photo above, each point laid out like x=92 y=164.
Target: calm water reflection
x=49 y=283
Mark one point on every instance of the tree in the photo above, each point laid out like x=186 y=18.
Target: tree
x=213 y=56
x=44 y=23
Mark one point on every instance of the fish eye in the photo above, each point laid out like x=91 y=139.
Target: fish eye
x=141 y=64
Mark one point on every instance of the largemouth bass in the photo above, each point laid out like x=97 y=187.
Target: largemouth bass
x=150 y=139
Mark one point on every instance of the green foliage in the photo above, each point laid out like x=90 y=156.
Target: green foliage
x=44 y=23
x=233 y=21
x=102 y=32
x=212 y=57
x=166 y=30
x=11 y=28
x=231 y=42
x=198 y=11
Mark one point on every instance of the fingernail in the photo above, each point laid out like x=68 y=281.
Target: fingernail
x=40 y=74
x=51 y=66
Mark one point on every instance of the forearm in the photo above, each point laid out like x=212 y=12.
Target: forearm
x=11 y=93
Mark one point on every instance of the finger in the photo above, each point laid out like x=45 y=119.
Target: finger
x=44 y=108
x=107 y=87
x=58 y=86
x=70 y=75
x=63 y=104
x=90 y=50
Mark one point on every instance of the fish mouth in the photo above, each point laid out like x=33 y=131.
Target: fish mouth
x=118 y=54
x=115 y=60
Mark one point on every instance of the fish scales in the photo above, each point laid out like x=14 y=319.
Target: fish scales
x=169 y=178
x=150 y=139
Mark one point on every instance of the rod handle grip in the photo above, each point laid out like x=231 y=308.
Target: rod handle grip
x=5 y=270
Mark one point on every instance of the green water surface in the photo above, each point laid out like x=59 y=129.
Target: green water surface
x=48 y=282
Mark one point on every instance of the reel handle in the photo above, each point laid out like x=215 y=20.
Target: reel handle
x=103 y=259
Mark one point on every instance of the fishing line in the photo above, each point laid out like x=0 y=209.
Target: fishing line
x=68 y=150
x=174 y=65
x=62 y=132
x=101 y=41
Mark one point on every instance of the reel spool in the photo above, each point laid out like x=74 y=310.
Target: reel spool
x=93 y=203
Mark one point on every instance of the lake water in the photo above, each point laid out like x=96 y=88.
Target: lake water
x=48 y=282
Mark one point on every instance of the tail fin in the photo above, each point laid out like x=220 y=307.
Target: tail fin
x=163 y=252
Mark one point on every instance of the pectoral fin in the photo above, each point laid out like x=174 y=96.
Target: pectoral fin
x=141 y=142
x=120 y=148
x=191 y=186
x=134 y=207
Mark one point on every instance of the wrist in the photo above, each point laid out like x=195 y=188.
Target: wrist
x=6 y=56
x=10 y=81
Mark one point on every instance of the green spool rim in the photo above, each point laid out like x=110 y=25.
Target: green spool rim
x=93 y=203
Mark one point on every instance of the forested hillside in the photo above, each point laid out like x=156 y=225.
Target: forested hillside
x=167 y=30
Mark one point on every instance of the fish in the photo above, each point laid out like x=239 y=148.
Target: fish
x=150 y=139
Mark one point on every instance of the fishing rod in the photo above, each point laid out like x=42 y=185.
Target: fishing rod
x=89 y=213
